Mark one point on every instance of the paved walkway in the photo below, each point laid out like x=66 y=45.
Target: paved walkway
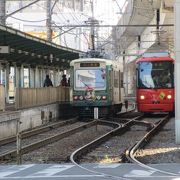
x=97 y=172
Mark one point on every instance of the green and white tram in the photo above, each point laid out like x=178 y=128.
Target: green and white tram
x=96 y=83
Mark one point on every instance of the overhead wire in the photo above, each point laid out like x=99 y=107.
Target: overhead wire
x=23 y=20
x=64 y=22
x=77 y=20
x=78 y=23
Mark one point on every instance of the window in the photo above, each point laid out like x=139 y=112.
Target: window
x=155 y=75
x=90 y=78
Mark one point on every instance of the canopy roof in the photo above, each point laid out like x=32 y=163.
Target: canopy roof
x=29 y=50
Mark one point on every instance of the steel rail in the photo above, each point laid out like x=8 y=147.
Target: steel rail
x=36 y=131
x=140 y=123
x=84 y=149
x=130 y=153
x=41 y=143
x=119 y=129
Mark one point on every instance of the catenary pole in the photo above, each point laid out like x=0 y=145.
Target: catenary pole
x=48 y=20
x=2 y=12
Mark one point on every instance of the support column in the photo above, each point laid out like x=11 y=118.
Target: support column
x=7 y=83
x=2 y=12
x=177 y=69
x=37 y=85
x=31 y=77
x=40 y=77
x=55 y=77
x=0 y=73
x=17 y=76
x=22 y=76
x=43 y=76
x=58 y=77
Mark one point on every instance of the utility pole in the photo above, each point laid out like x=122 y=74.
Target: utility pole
x=92 y=23
x=2 y=12
x=92 y=26
x=82 y=5
x=48 y=20
x=18 y=142
x=81 y=28
x=74 y=5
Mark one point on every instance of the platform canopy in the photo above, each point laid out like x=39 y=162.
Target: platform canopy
x=21 y=48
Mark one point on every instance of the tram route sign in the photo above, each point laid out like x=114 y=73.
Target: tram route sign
x=4 y=49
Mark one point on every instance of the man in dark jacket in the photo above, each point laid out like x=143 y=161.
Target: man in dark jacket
x=64 y=81
x=47 y=81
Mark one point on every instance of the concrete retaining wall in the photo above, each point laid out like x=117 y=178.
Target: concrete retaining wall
x=30 y=118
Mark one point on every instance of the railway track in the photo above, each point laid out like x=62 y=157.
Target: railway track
x=39 y=130
x=58 y=136
x=131 y=152
x=120 y=129
x=44 y=141
x=11 y=149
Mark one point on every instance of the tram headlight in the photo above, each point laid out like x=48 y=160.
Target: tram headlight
x=75 y=97
x=142 y=97
x=104 y=97
x=169 y=96
x=81 y=98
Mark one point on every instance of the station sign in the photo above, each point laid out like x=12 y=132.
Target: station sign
x=4 y=49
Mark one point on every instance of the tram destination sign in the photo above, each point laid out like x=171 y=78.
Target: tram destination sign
x=89 y=64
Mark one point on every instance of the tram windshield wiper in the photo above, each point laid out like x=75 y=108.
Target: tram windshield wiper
x=85 y=84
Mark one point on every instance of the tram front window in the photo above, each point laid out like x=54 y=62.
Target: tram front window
x=155 y=75
x=90 y=78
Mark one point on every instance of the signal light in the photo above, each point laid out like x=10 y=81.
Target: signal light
x=142 y=97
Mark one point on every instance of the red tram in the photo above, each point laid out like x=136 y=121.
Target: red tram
x=155 y=83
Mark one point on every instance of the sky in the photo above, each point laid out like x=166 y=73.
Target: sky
x=108 y=11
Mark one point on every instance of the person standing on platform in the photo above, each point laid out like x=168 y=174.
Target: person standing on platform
x=69 y=81
x=64 y=80
x=47 y=82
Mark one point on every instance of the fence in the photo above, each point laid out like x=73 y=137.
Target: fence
x=31 y=97
x=2 y=98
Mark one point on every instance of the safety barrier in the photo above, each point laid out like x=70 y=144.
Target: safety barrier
x=2 y=98
x=31 y=97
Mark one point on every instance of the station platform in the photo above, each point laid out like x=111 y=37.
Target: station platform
x=96 y=172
